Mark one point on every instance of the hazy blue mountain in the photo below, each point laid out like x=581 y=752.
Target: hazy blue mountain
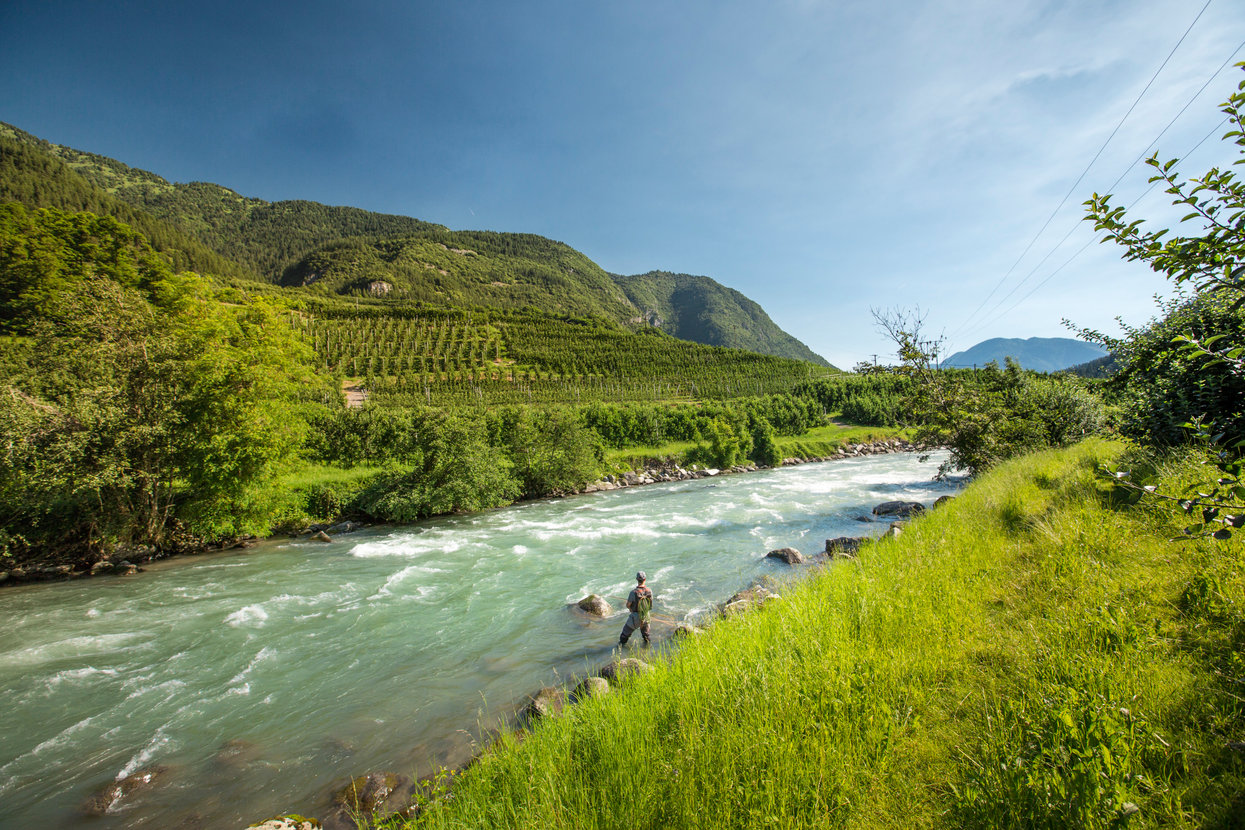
x=1041 y=354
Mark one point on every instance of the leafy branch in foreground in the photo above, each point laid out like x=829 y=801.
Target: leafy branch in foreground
x=1210 y=509
x=1195 y=375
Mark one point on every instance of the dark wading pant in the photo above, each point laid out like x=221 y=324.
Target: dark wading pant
x=633 y=622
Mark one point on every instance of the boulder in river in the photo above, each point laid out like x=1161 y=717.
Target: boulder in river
x=290 y=821
x=686 y=629
x=941 y=500
x=376 y=793
x=843 y=547
x=789 y=555
x=745 y=600
x=902 y=509
x=111 y=795
x=321 y=536
x=594 y=605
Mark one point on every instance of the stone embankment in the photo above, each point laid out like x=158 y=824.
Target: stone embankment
x=675 y=472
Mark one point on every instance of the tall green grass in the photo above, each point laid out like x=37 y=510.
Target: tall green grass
x=1034 y=654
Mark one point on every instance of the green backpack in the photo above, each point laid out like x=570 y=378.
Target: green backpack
x=643 y=603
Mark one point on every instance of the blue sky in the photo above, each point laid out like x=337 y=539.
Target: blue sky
x=824 y=158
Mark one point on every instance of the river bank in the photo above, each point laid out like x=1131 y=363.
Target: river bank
x=129 y=562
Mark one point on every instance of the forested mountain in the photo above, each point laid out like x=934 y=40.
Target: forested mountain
x=1041 y=354
x=264 y=237
x=348 y=252
x=705 y=311
x=465 y=268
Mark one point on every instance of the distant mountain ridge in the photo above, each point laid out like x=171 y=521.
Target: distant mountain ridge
x=347 y=251
x=1040 y=354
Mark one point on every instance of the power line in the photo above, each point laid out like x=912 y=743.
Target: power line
x=1084 y=172
x=1082 y=249
x=1114 y=184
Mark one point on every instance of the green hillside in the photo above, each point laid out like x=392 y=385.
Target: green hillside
x=464 y=268
x=33 y=176
x=705 y=311
x=348 y=251
x=263 y=237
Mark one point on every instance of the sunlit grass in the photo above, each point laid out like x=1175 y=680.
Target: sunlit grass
x=1034 y=654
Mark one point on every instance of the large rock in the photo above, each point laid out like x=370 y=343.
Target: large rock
x=686 y=629
x=616 y=671
x=844 y=547
x=743 y=601
x=376 y=793
x=541 y=705
x=110 y=796
x=789 y=555
x=589 y=687
x=941 y=500
x=286 y=822
x=902 y=509
x=595 y=605
x=321 y=536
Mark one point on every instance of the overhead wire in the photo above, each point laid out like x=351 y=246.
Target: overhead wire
x=1114 y=184
x=1091 y=241
x=1084 y=172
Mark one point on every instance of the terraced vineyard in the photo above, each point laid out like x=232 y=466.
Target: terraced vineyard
x=447 y=357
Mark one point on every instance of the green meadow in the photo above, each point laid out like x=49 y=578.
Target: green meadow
x=1036 y=653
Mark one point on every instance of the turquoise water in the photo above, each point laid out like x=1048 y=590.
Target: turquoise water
x=388 y=649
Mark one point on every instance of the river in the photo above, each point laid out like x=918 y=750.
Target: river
x=261 y=679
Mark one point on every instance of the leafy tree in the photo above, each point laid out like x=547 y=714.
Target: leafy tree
x=142 y=398
x=764 y=450
x=553 y=452
x=987 y=416
x=452 y=468
x=1191 y=362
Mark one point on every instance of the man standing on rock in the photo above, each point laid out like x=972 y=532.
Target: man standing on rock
x=640 y=604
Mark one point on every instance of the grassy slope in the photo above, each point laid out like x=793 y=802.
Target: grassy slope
x=1034 y=654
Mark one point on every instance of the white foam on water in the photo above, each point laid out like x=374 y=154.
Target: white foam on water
x=72 y=676
x=73 y=648
x=144 y=756
x=638 y=530
x=520 y=549
x=249 y=615
x=264 y=654
x=394 y=580
x=170 y=686
x=244 y=689
x=406 y=546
